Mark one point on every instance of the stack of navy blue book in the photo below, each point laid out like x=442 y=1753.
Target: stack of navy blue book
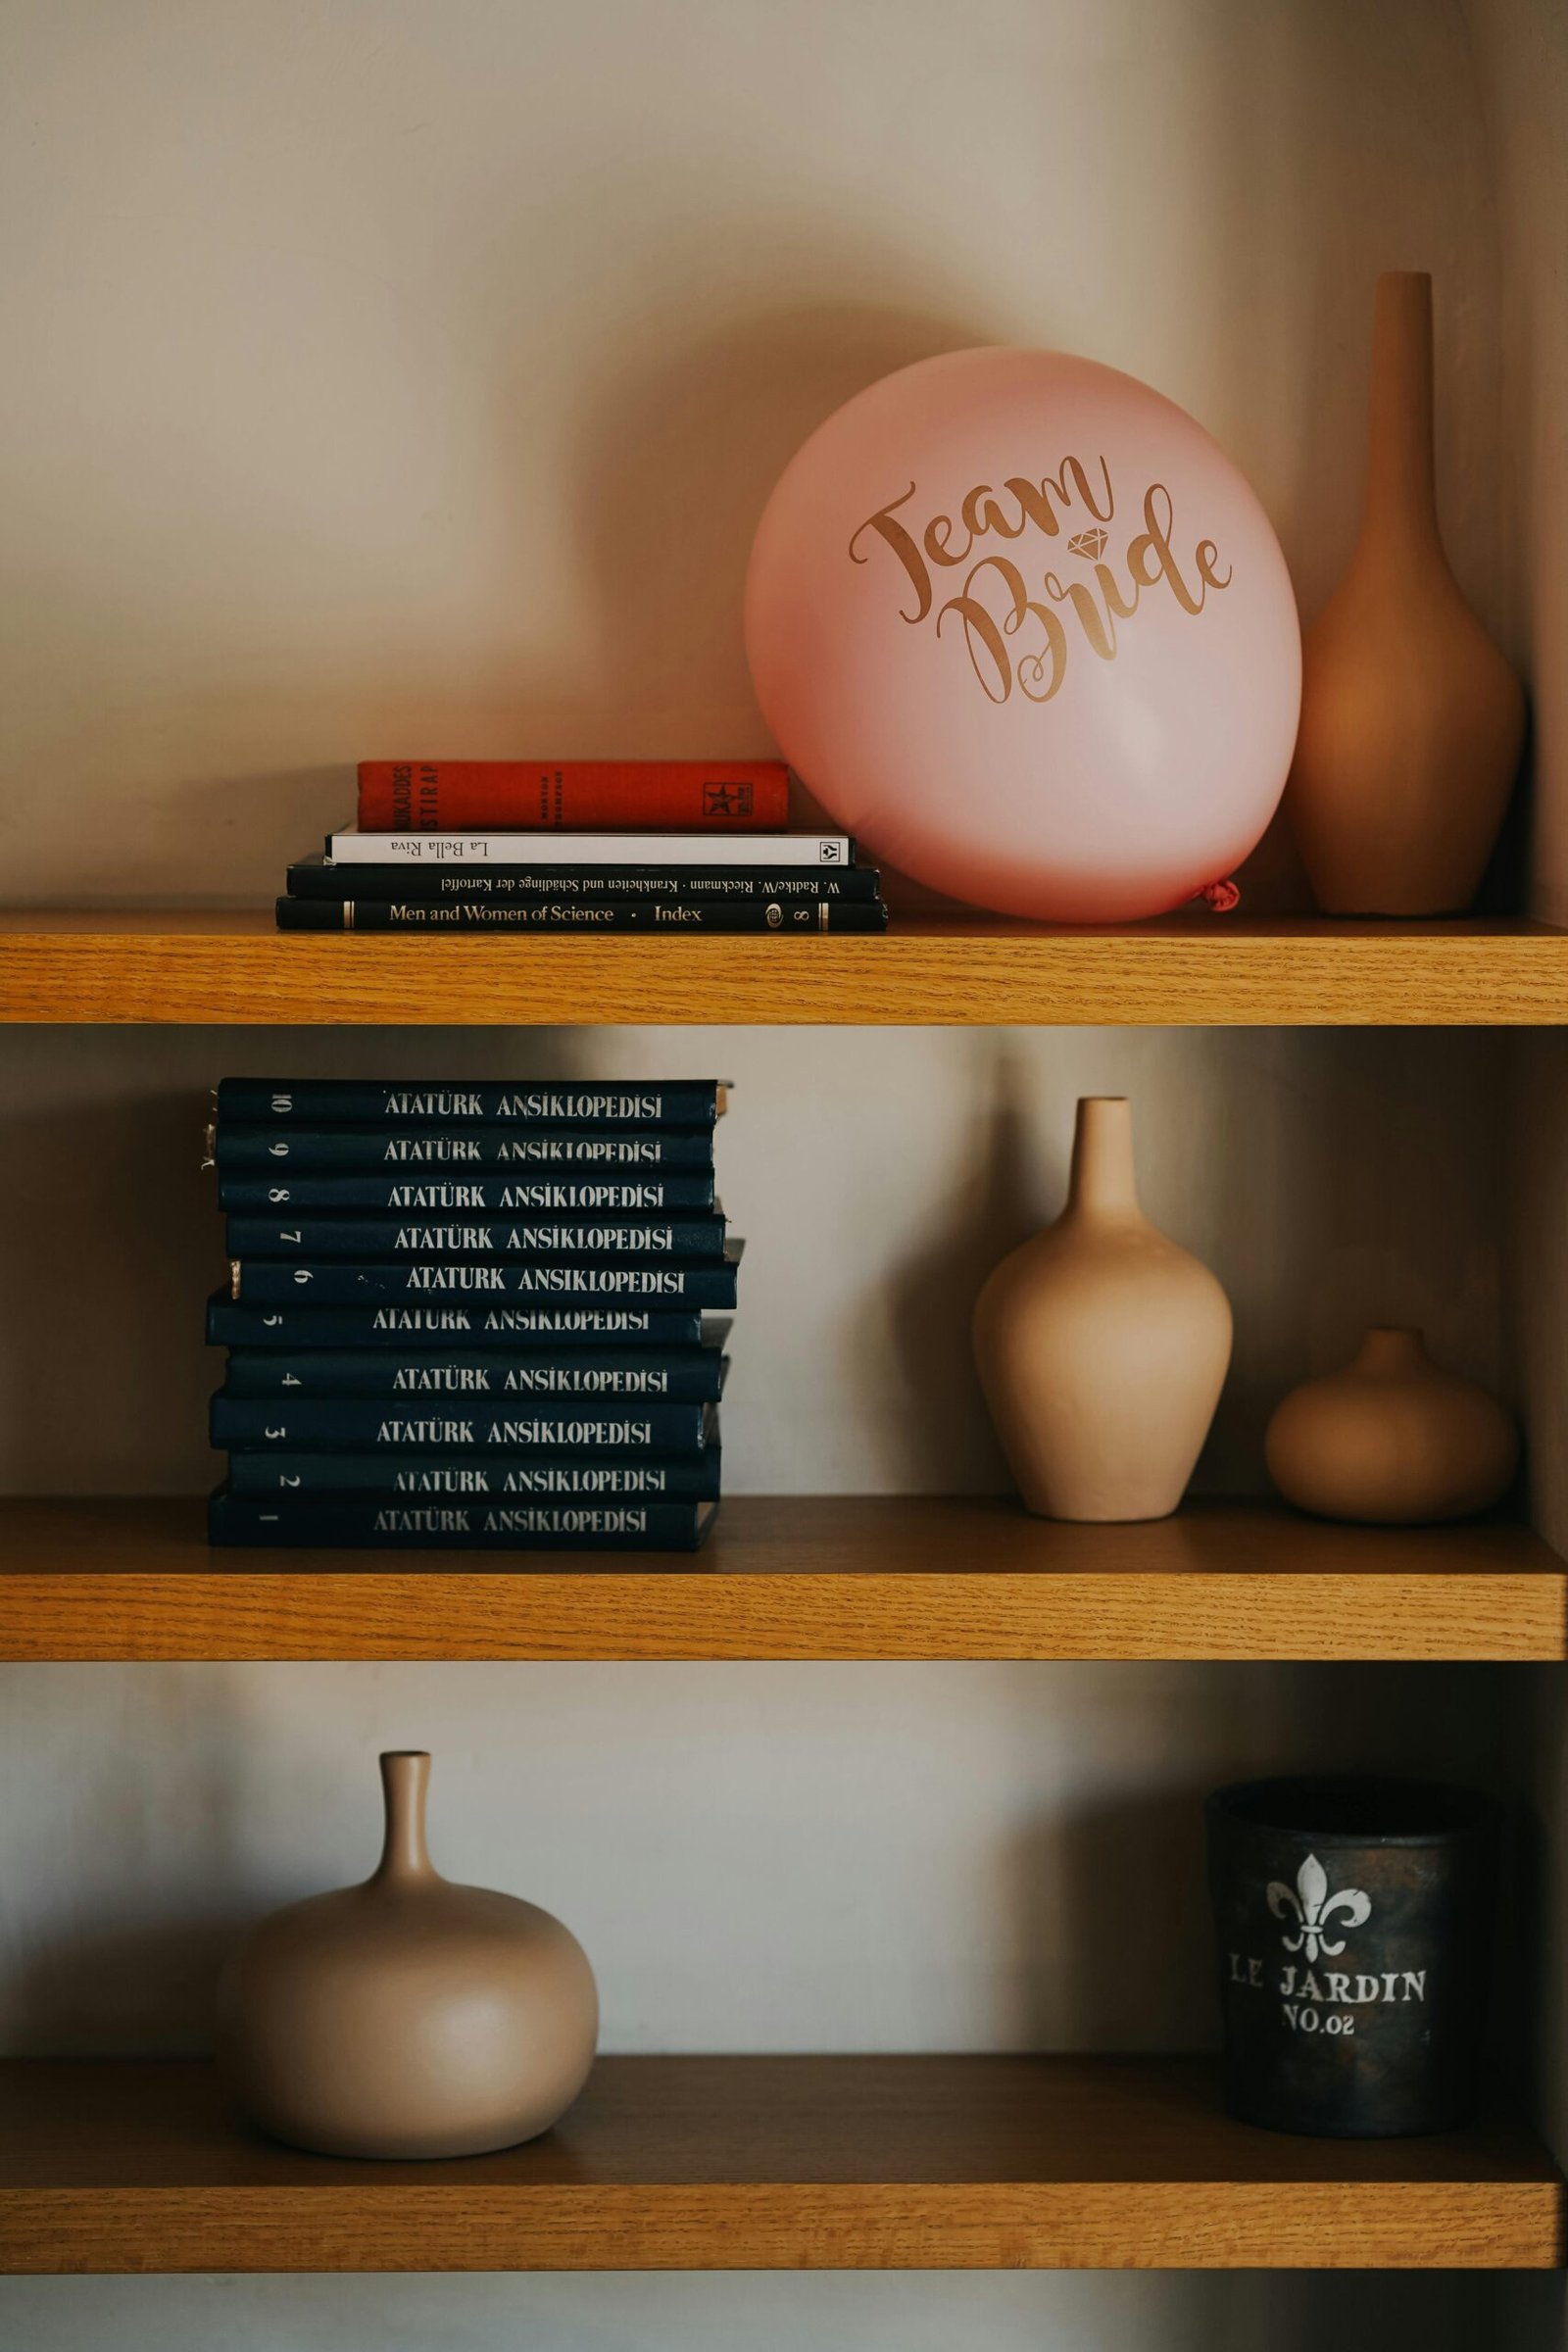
x=469 y=1314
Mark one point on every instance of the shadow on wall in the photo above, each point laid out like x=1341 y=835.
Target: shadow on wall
x=677 y=461
x=1391 y=1219
x=117 y=1192
x=675 y=456
x=134 y=1243
x=1103 y=1909
x=1440 y=2311
x=141 y=1988
x=929 y=1297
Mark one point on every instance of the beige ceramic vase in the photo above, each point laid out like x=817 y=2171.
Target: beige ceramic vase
x=1411 y=719
x=1392 y=1439
x=1102 y=1346
x=408 y=2017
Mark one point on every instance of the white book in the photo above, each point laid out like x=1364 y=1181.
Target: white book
x=669 y=850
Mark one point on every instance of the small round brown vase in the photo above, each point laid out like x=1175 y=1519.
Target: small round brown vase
x=408 y=2017
x=1102 y=1346
x=1391 y=1438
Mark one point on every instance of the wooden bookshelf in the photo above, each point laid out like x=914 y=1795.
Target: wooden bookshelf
x=794 y=1577
x=1204 y=970
x=698 y=2164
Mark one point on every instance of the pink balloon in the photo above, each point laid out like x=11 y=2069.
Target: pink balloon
x=1023 y=629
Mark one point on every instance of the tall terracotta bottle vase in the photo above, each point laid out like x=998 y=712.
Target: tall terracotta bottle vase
x=1102 y=1346
x=1411 y=719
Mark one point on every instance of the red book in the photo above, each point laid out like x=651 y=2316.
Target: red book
x=578 y=796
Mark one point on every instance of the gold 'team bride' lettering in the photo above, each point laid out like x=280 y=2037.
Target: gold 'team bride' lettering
x=1013 y=638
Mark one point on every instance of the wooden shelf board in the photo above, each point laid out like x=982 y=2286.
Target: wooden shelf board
x=794 y=1577
x=863 y=2163
x=184 y=966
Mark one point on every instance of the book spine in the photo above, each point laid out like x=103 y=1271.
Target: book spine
x=417 y=1151
x=237 y=1519
x=434 y=794
x=393 y=1238
x=315 y=878
x=496 y=1194
x=485 y=1325
x=272 y=1282
x=375 y=1103
x=764 y=850
x=360 y=1425
x=583 y=1477
x=691 y=1376
x=774 y=917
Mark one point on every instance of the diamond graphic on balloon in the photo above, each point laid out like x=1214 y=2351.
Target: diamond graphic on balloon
x=1091 y=544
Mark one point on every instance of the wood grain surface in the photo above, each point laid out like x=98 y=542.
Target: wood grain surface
x=794 y=1577
x=1207 y=970
x=860 y=2162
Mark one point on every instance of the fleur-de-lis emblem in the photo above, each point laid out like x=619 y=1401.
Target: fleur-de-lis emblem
x=1313 y=1907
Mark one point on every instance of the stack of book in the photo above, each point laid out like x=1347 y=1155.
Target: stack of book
x=471 y=1314
x=474 y=845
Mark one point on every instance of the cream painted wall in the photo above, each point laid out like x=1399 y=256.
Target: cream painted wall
x=383 y=369
x=766 y=1857
x=918 y=2312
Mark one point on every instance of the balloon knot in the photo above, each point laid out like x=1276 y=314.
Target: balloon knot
x=1222 y=896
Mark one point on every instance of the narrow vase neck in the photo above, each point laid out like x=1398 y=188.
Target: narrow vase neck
x=1391 y=1350
x=1402 y=500
x=1103 y=1183
x=405 y=1778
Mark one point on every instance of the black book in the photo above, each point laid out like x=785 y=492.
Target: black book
x=774 y=917
x=447 y=1194
x=415 y=1151
x=372 y=1523
x=695 y=1237
x=583 y=1477
x=320 y=878
x=674 y=1374
x=420 y=1425
x=465 y=1101
x=486 y=1323
x=273 y=1282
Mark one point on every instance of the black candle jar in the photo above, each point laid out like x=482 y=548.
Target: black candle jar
x=1354 y=1925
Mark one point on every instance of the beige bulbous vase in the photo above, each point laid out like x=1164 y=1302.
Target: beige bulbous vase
x=408 y=2017
x=1412 y=721
x=1102 y=1346
x=1392 y=1439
